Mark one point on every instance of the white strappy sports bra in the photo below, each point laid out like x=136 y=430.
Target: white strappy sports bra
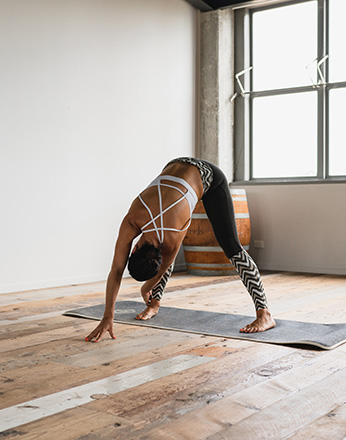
x=190 y=196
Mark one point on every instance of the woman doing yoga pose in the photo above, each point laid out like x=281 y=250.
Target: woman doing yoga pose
x=161 y=214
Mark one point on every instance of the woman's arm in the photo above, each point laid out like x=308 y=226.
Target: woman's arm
x=122 y=250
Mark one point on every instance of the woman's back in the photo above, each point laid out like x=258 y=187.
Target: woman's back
x=166 y=205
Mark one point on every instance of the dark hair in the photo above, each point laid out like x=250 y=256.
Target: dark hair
x=144 y=264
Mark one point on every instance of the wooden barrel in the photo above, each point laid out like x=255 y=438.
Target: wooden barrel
x=203 y=255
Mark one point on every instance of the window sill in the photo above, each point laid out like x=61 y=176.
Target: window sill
x=293 y=181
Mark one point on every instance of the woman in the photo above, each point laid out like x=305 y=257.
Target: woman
x=162 y=214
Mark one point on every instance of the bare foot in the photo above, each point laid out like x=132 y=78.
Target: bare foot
x=150 y=311
x=263 y=322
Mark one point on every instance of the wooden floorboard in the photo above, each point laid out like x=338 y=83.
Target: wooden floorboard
x=229 y=389
x=330 y=425
x=298 y=410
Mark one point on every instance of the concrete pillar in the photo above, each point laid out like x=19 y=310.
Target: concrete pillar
x=216 y=89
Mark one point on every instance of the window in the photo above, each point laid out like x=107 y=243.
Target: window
x=289 y=121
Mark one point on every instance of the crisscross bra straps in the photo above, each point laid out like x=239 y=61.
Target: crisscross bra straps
x=190 y=196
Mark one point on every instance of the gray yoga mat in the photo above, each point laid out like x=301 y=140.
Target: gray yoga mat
x=325 y=336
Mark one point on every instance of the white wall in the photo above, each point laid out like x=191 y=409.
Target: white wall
x=302 y=226
x=96 y=96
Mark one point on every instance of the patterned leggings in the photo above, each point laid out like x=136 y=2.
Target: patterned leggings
x=218 y=205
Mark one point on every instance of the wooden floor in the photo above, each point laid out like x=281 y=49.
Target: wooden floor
x=163 y=385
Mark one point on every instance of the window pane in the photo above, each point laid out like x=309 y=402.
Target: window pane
x=337 y=38
x=337 y=140
x=284 y=43
x=285 y=135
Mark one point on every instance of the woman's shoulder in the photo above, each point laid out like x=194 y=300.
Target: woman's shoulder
x=131 y=218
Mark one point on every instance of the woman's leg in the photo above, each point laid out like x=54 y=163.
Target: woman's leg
x=158 y=290
x=251 y=278
x=219 y=208
x=153 y=304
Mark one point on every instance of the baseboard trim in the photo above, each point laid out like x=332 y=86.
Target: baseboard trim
x=60 y=282
x=302 y=269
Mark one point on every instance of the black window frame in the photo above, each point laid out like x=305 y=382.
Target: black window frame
x=243 y=117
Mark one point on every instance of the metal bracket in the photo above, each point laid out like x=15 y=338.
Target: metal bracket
x=242 y=90
x=321 y=79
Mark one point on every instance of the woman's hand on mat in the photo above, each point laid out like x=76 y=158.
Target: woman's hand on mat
x=106 y=325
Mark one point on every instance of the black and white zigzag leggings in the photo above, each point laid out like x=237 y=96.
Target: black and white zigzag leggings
x=219 y=208
x=250 y=276
x=247 y=270
x=218 y=205
x=158 y=290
